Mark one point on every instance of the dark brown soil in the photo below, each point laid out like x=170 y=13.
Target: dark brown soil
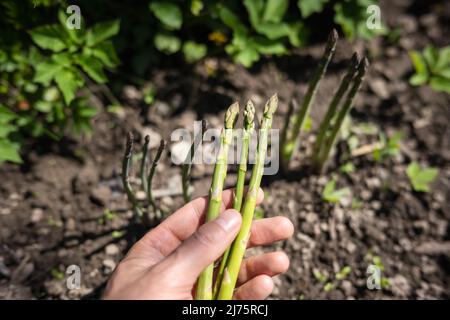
x=52 y=210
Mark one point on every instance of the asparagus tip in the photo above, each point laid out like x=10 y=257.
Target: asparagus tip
x=271 y=106
x=130 y=139
x=333 y=37
x=162 y=144
x=249 y=114
x=231 y=115
x=363 y=65
x=147 y=139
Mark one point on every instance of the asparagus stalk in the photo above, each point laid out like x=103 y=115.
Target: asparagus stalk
x=143 y=170
x=126 y=164
x=249 y=115
x=331 y=139
x=205 y=281
x=285 y=132
x=290 y=145
x=240 y=243
x=150 y=198
x=326 y=123
x=187 y=165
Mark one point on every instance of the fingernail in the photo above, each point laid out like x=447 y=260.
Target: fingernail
x=228 y=220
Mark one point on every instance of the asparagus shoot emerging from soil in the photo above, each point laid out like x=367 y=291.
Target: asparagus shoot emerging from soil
x=331 y=139
x=205 y=281
x=143 y=170
x=290 y=144
x=150 y=199
x=187 y=165
x=126 y=164
x=240 y=243
x=332 y=108
x=249 y=116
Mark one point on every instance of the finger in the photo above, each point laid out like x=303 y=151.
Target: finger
x=168 y=235
x=258 y=288
x=271 y=264
x=269 y=230
x=204 y=246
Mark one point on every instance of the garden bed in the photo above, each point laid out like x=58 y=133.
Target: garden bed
x=66 y=205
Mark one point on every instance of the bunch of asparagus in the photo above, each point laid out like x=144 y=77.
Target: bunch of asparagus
x=334 y=117
x=232 y=258
x=153 y=212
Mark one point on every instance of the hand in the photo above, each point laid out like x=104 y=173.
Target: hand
x=167 y=261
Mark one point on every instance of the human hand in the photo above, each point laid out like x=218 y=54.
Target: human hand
x=167 y=261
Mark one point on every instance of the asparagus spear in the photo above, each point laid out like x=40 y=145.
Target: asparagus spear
x=151 y=200
x=204 y=284
x=249 y=115
x=187 y=165
x=331 y=139
x=240 y=243
x=326 y=123
x=143 y=170
x=291 y=142
x=126 y=163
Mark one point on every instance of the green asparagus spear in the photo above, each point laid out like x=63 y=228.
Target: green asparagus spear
x=240 y=243
x=205 y=281
x=326 y=123
x=126 y=163
x=156 y=210
x=331 y=139
x=187 y=165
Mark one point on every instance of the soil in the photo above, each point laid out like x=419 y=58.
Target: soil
x=66 y=205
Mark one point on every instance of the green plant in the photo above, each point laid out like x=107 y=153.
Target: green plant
x=420 y=178
x=290 y=136
x=432 y=67
x=187 y=165
x=334 y=118
x=352 y=16
x=333 y=195
x=205 y=281
x=43 y=70
x=240 y=243
x=146 y=180
x=388 y=147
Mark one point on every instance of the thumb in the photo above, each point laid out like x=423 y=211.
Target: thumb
x=205 y=246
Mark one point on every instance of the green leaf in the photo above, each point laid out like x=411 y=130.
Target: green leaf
x=6 y=115
x=194 y=51
x=45 y=72
x=196 y=7
x=308 y=7
x=266 y=46
x=275 y=10
x=431 y=56
x=102 y=31
x=168 y=13
x=167 y=43
x=9 y=151
x=443 y=60
x=439 y=83
x=49 y=37
x=93 y=67
x=247 y=57
x=330 y=194
x=418 y=79
x=419 y=62
x=421 y=178
x=76 y=35
x=67 y=83
x=6 y=129
x=106 y=53
x=231 y=20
